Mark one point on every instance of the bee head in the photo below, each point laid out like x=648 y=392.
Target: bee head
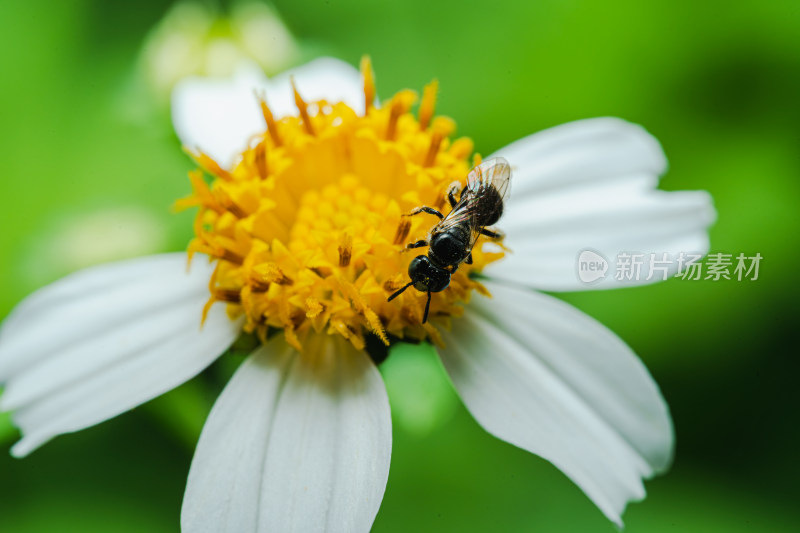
x=427 y=277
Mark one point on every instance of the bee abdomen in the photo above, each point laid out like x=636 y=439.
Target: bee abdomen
x=491 y=207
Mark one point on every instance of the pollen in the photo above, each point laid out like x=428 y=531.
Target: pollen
x=307 y=229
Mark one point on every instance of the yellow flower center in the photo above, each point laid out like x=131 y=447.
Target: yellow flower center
x=307 y=229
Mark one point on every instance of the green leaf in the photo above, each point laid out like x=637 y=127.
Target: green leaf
x=183 y=411
x=7 y=430
x=419 y=390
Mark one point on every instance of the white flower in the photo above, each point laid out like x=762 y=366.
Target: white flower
x=301 y=441
x=193 y=38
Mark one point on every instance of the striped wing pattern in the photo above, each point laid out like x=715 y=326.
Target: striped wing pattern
x=493 y=173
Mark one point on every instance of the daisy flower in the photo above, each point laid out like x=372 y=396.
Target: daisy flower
x=195 y=38
x=300 y=239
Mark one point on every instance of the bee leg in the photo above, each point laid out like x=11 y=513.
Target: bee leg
x=451 y=193
x=424 y=209
x=468 y=260
x=398 y=293
x=496 y=235
x=418 y=244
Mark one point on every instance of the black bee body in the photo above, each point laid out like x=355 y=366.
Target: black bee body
x=450 y=242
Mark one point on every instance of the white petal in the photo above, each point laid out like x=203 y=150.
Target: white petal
x=543 y=376
x=296 y=442
x=590 y=185
x=104 y=340
x=546 y=236
x=583 y=151
x=106 y=294
x=219 y=116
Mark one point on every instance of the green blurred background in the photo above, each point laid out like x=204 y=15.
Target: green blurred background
x=90 y=167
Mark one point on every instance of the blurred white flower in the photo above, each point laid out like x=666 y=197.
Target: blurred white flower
x=304 y=232
x=77 y=240
x=192 y=38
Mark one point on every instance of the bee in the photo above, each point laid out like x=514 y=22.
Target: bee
x=451 y=240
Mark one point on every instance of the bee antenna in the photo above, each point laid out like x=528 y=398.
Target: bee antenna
x=427 y=308
x=398 y=293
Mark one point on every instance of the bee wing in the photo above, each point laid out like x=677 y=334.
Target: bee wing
x=495 y=172
x=491 y=174
x=464 y=213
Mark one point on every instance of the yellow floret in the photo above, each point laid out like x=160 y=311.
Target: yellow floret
x=307 y=232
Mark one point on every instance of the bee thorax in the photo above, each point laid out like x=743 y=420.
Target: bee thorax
x=450 y=247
